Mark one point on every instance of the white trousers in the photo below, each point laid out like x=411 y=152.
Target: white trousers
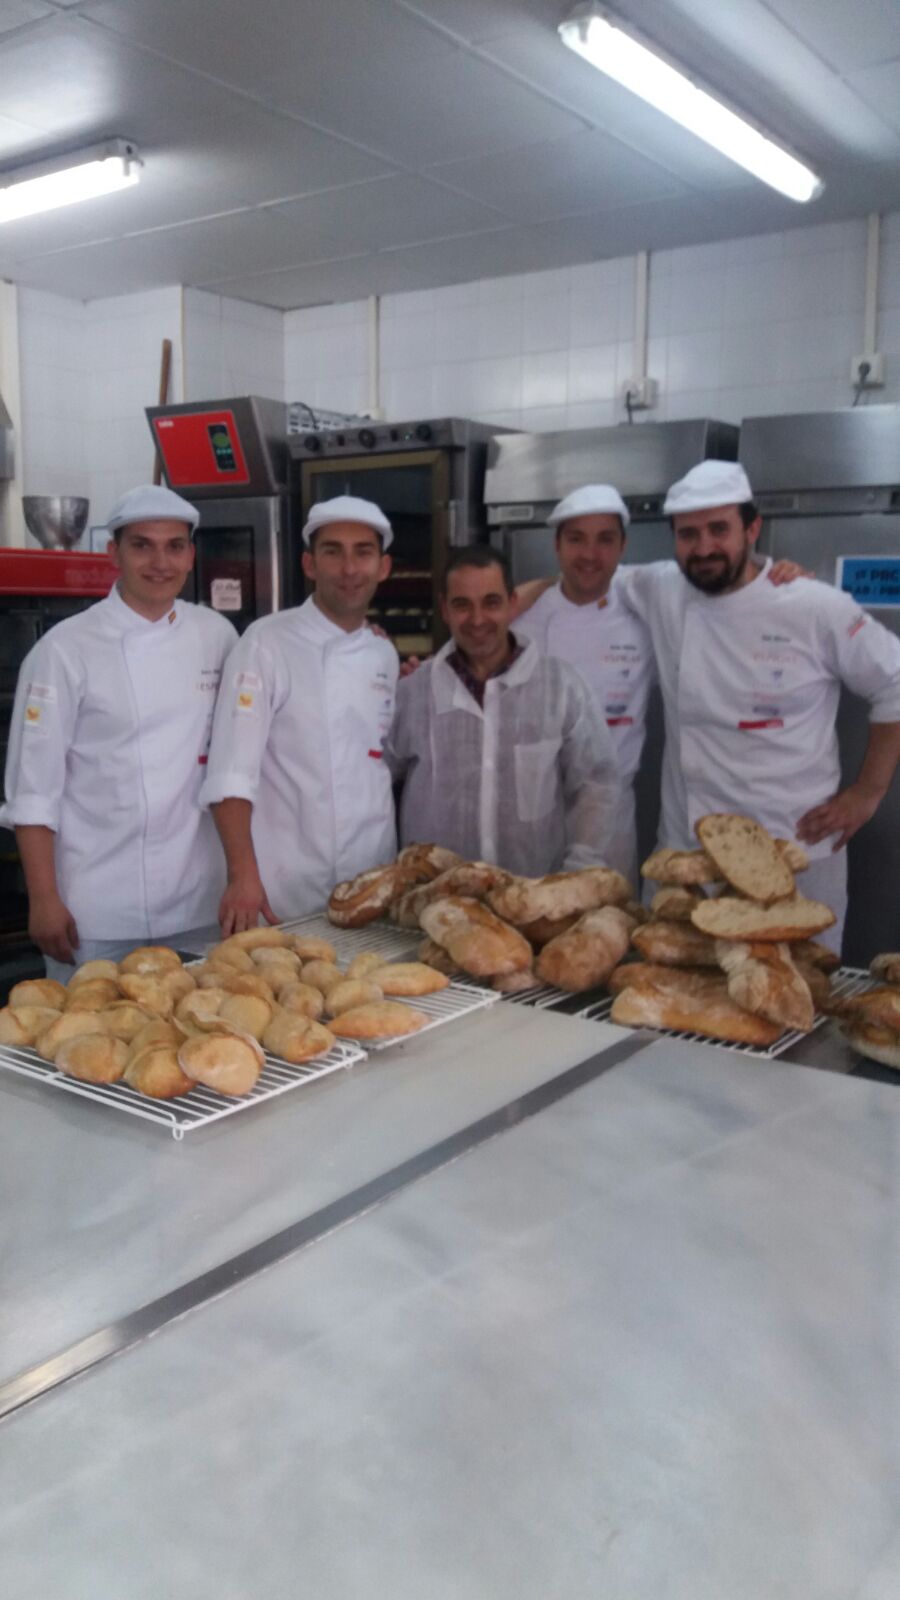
x=621 y=851
x=826 y=880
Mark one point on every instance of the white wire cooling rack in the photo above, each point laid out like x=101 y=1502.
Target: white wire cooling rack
x=194 y=1110
x=385 y=938
x=844 y=982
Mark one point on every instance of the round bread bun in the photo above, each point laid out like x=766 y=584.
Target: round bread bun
x=123 y=1019
x=248 y=1013
x=38 y=992
x=153 y=1033
x=322 y=975
x=93 y=1057
x=95 y=994
x=149 y=989
x=366 y=897
x=68 y=1025
x=202 y=1005
x=23 y=1024
x=296 y=1039
x=278 y=976
x=351 y=992
x=154 y=1071
x=94 y=969
x=408 y=978
x=261 y=938
x=383 y=1019
x=150 y=958
x=302 y=1000
x=265 y=956
x=310 y=949
x=364 y=963
x=223 y=1061
x=177 y=982
x=231 y=956
x=244 y=983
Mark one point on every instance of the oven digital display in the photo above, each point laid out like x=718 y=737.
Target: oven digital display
x=222 y=446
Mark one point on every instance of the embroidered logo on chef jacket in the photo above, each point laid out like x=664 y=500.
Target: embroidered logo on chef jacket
x=34 y=721
x=42 y=691
x=855 y=626
x=247 y=685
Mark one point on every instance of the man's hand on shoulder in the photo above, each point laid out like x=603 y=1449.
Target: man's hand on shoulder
x=526 y=594
x=844 y=814
x=410 y=665
x=242 y=904
x=52 y=927
x=786 y=572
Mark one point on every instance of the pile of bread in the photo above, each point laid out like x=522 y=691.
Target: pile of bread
x=741 y=965
x=569 y=929
x=870 y=1022
x=163 y=1028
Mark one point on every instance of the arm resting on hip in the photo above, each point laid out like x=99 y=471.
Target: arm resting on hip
x=245 y=897
x=50 y=922
x=846 y=812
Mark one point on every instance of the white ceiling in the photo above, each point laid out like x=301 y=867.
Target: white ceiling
x=300 y=151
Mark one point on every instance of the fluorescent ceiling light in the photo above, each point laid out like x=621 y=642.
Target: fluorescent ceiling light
x=601 y=40
x=80 y=175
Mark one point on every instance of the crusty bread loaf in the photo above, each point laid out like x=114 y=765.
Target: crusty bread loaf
x=523 y=900
x=671 y=904
x=794 y=854
x=364 y=898
x=513 y=982
x=584 y=957
x=478 y=941
x=746 y=856
x=705 y=1007
x=544 y=929
x=423 y=862
x=817 y=982
x=881 y=1006
x=729 y=918
x=814 y=954
x=873 y=1040
x=763 y=979
x=675 y=944
x=470 y=878
x=887 y=968
x=434 y=955
x=681 y=868
x=629 y=973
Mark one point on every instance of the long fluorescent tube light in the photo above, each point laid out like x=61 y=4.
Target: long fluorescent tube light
x=80 y=175
x=598 y=36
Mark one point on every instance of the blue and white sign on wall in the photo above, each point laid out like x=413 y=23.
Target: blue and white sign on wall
x=873 y=581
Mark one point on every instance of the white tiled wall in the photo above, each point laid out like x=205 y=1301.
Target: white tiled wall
x=52 y=379
x=231 y=347
x=757 y=325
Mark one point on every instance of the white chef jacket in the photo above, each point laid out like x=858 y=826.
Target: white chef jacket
x=610 y=647
x=751 y=683
x=529 y=781
x=109 y=739
x=299 y=729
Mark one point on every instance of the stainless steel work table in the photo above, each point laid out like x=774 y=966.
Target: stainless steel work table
x=644 y=1344
x=102 y=1212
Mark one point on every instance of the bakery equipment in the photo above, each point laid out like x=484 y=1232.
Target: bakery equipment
x=57 y=521
x=230 y=458
x=428 y=477
x=828 y=485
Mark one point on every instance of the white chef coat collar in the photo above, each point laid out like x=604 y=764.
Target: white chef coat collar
x=315 y=621
x=126 y=620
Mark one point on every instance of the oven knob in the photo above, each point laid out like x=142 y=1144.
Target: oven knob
x=423 y=431
x=367 y=438
x=311 y=442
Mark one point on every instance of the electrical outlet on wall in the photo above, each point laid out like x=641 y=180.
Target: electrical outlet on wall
x=867 y=372
x=639 y=394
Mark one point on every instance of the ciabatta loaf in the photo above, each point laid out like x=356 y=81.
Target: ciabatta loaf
x=675 y=944
x=763 y=979
x=746 y=856
x=477 y=940
x=523 y=900
x=729 y=918
x=703 y=1006
x=585 y=956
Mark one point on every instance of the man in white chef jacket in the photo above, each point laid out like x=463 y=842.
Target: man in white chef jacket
x=751 y=676
x=108 y=746
x=300 y=793
x=501 y=750
x=582 y=620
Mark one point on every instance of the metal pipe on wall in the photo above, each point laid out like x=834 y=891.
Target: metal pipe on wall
x=374 y=327
x=641 y=307
x=873 y=267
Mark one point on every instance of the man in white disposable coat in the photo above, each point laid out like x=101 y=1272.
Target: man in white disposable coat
x=582 y=620
x=502 y=752
x=301 y=796
x=109 y=740
x=751 y=675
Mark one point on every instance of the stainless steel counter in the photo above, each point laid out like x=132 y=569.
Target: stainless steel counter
x=643 y=1344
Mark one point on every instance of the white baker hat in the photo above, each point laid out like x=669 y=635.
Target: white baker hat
x=595 y=499
x=151 y=503
x=711 y=483
x=347 y=508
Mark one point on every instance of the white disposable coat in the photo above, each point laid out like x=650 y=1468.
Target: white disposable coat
x=299 y=729
x=611 y=649
x=751 y=682
x=529 y=782
x=109 y=740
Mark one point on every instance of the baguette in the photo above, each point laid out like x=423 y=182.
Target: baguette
x=763 y=979
x=675 y=944
x=707 y=1010
x=746 y=856
x=681 y=868
x=477 y=940
x=524 y=900
x=729 y=918
x=584 y=957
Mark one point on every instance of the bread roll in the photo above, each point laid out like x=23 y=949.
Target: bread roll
x=200 y=1006
x=247 y=1012
x=351 y=992
x=407 y=979
x=477 y=940
x=95 y=994
x=383 y=1019
x=68 y=1025
x=702 y=1005
x=763 y=979
x=365 y=897
x=886 y=968
x=150 y=958
x=746 y=856
x=434 y=956
x=154 y=1071
x=311 y=949
x=681 y=868
x=296 y=1039
x=222 y=1062
x=39 y=992
x=243 y=983
x=364 y=963
x=93 y=1057
x=94 y=969
x=229 y=955
x=471 y=878
x=123 y=1019
x=149 y=991
x=302 y=1000
x=873 y=1040
x=524 y=900
x=279 y=976
x=727 y=918
x=322 y=975
x=585 y=956
x=675 y=944
x=671 y=904
x=23 y=1024
x=260 y=939
x=153 y=1033
x=265 y=956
